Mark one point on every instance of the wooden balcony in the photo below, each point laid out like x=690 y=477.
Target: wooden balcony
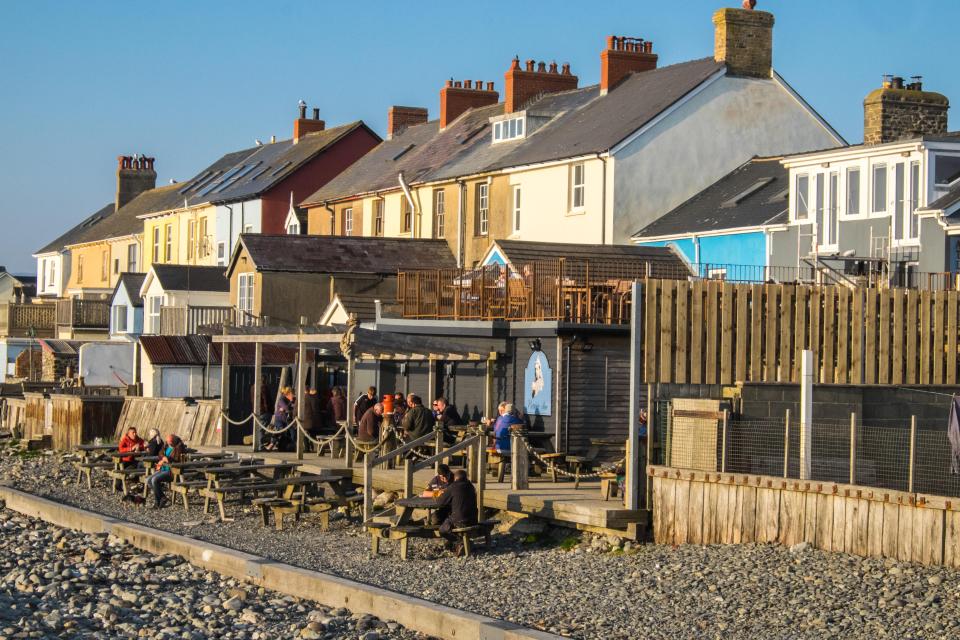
x=25 y=320
x=558 y=290
x=83 y=314
x=181 y=321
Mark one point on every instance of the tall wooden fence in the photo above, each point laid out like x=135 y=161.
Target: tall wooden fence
x=696 y=507
x=712 y=332
x=195 y=422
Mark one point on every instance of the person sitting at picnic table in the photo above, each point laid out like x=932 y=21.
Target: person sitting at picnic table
x=460 y=502
x=173 y=452
x=364 y=402
x=439 y=483
x=283 y=416
x=447 y=416
x=503 y=427
x=368 y=429
x=337 y=408
x=154 y=444
x=130 y=442
x=418 y=421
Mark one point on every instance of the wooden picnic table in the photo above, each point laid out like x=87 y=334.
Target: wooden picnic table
x=97 y=447
x=284 y=488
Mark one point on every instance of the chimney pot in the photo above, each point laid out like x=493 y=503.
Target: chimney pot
x=520 y=86
x=456 y=99
x=629 y=55
x=489 y=86
x=303 y=111
x=553 y=67
x=449 y=83
x=611 y=42
x=541 y=67
x=316 y=113
x=530 y=64
x=456 y=83
x=892 y=113
x=273 y=139
x=516 y=63
x=134 y=176
x=566 y=69
x=478 y=84
x=468 y=84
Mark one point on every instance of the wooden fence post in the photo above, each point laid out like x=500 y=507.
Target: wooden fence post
x=437 y=446
x=786 y=444
x=913 y=448
x=481 y=475
x=806 y=413
x=367 y=486
x=408 y=478
x=301 y=393
x=225 y=394
x=257 y=386
x=853 y=448
x=519 y=463
x=723 y=444
x=633 y=463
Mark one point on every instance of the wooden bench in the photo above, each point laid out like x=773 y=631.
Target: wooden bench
x=183 y=489
x=479 y=530
x=122 y=477
x=85 y=469
x=608 y=486
x=285 y=486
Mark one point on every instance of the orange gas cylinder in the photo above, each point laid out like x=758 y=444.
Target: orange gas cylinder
x=388 y=403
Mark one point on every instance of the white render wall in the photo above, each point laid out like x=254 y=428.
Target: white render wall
x=712 y=133
x=230 y=222
x=44 y=286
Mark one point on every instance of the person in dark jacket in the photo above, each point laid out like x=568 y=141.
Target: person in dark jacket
x=337 y=407
x=261 y=402
x=364 y=402
x=172 y=452
x=399 y=409
x=460 y=498
x=154 y=445
x=313 y=414
x=368 y=430
x=418 y=421
x=283 y=416
x=447 y=416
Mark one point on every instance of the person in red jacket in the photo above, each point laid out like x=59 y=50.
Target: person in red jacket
x=130 y=441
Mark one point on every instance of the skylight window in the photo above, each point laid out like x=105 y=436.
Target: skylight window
x=743 y=195
x=508 y=129
x=247 y=168
x=402 y=152
x=281 y=167
x=191 y=185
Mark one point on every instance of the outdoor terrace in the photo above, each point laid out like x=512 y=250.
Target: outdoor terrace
x=83 y=314
x=28 y=320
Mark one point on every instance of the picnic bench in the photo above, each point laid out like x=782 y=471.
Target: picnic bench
x=298 y=503
x=283 y=487
x=404 y=528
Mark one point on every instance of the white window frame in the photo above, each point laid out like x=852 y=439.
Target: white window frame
x=508 y=129
x=882 y=169
x=120 y=318
x=915 y=191
x=378 y=217
x=156 y=244
x=153 y=305
x=132 y=258
x=439 y=212
x=293 y=229
x=221 y=254
x=578 y=186
x=348 y=221
x=516 y=201
x=848 y=176
x=245 y=290
x=483 y=208
x=801 y=196
x=248 y=228
x=168 y=243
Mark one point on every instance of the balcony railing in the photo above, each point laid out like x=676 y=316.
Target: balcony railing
x=83 y=314
x=24 y=320
x=181 y=321
x=561 y=290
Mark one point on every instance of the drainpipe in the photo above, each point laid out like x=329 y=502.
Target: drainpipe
x=461 y=216
x=416 y=214
x=603 y=201
x=333 y=217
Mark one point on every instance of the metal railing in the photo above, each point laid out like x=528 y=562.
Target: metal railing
x=853 y=274
x=181 y=321
x=83 y=314
x=25 y=319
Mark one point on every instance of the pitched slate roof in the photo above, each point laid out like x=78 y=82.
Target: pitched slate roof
x=131 y=283
x=85 y=225
x=191 y=351
x=245 y=174
x=752 y=195
x=339 y=254
x=663 y=260
x=946 y=201
x=126 y=221
x=181 y=277
x=362 y=306
x=581 y=121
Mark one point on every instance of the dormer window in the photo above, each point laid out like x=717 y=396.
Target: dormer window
x=510 y=129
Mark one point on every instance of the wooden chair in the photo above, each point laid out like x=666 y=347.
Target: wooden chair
x=580 y=464
x=518 y=297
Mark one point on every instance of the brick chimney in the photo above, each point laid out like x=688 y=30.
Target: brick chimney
x=523 y=85
x=457 y=97
x=622 y=57
x=135 y=175
x=743 y=39
x=302 y=125
x=399 y=118
x=895 y=112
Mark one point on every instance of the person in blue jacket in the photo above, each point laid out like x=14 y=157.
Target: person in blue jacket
x=504 y=425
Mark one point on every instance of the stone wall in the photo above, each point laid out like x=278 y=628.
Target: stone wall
x=743 y=39
x=891 y=114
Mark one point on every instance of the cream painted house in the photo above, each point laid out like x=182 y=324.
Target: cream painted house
x=559 y=163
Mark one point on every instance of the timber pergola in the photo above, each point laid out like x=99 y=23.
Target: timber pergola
x=353 y=344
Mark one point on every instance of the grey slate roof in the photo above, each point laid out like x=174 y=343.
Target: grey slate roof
x=245 y=174
x=664 y=260
x=364 y=307
x=946 y=201
x=126 y=221
x=131 y=282
x=339 y=254
x=181 y=277
x=752 y=195
x=85 y=225
x=583 y=122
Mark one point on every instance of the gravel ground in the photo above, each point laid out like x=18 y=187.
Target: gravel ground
x=585 y=587
x=58 y=583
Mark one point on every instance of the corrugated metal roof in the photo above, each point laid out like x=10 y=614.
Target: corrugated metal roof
x=191 y=351
x=60 y=347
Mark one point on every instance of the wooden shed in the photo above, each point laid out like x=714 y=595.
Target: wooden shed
x=79 y=419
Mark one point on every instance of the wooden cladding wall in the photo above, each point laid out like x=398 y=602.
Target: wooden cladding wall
x=195 y=423
x=712 y=332
x=693 y=507
x=80 y=419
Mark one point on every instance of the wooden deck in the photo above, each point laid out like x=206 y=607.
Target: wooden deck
x=581 y=508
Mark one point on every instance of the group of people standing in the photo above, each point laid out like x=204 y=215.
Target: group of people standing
x=320 y=414
x=410 y=417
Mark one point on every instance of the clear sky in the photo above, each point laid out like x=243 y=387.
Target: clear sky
x=83 y=82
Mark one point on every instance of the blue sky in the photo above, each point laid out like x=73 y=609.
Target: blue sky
x=83 y=82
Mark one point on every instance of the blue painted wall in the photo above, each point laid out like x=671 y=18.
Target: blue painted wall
x=736 y=248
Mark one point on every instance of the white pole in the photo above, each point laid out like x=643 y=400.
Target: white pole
x=806 y=412
x=632 y=480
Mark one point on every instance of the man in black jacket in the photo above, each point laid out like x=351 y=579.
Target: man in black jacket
x=460 y=498
x=447 y=416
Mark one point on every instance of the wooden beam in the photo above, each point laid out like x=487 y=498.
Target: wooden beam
x=225 y=395
x=301 y=393
x=255 y=396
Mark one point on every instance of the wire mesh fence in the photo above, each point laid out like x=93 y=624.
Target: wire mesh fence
x=902 y=455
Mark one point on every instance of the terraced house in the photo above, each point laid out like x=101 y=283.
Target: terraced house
x=557 y=162
x=250 y=191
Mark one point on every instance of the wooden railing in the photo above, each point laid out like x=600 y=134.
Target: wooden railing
x=567 y=290
x=22 y=320
x=83 y=314
x=181 y=321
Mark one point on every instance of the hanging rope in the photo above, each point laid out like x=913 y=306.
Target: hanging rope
x=610 y=468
